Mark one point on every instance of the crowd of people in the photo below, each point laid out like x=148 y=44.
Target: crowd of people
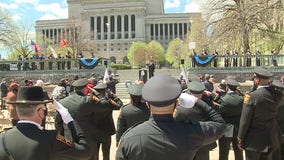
x=166 y=118
x=62 y=63
x=234 y=58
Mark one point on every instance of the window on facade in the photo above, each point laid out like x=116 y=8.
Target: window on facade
x=175 y=31
x=180 y=28
x=92 y=27
x=161 y=31
x=99 y=22
x=171 y=29
x=152 y=30
x=133 y=26
x=92 y=24
x=112 y=27
x=185 y=28
x=118 y=23
x=156 y=29
x=132 y=22
x=126 y=23
x=105 y=24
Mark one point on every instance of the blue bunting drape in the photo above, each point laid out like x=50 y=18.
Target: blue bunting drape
x=89 y=63
x=203 y=60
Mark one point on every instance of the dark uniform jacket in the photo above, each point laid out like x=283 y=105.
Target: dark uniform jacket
x=81 y=108
x=161 y=137
x=231 y=108
x=192 y=115
x=130 y=115
x=27 y=142
x=102 y=119
x=258 y=124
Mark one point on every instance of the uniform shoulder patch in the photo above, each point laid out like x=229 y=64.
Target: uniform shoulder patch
x=62 y=139
x=246 y=98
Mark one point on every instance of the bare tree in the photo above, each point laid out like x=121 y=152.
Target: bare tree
x=235 y=20
x=6 y=28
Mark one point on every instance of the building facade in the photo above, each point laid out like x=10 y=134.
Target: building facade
x=110 y=27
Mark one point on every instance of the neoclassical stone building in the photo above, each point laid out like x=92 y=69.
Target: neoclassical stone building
x=109 y=27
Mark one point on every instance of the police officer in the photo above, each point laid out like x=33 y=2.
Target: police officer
x=279 y=89
x=29 y=141
x=259 y=134
x=161 y=137
x=195 y=114
x=82 y=108
x=132 y=113
x=103 y=120
x=230 y=107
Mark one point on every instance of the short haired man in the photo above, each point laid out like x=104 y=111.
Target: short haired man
x=28 y=140
x=161 y=137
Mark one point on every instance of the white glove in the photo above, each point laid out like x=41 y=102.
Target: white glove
x=65 y=115
x=186 y=100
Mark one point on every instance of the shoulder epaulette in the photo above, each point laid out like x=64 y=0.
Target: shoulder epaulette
x=62 y=139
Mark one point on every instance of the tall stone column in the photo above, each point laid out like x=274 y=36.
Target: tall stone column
x=115 y=27
x=129 y=26
x=95 y=27
x=122 y=27
x=102 y=28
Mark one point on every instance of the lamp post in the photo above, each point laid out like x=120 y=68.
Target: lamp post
x=108 y=33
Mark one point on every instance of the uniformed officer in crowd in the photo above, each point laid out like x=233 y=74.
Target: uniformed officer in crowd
x=279 y=89
x=29 y=141
x=259 y=133
x=134 y=112
x=161 y=137
x=103 y=119
x=82 y=108
x=230 y=106
x=196 y=114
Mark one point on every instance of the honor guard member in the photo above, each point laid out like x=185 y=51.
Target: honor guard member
x=134 y=112
x=279 y=89
x=29 y=141
x=230 y=106
x=259 y=133
x=103 y=120
x=81 y=108
x=161 y=137
x=195 y=114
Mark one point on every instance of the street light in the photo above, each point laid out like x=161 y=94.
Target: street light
x=108 y=25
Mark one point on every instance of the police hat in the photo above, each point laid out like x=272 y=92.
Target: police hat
x=278 y=85
x=80 y=83
x=262 y=73
x=135 y=89
x=196 y=87
x=232 y=82
x=31 y=95
x=193 y=77
x=161 y=90
x=100 y=85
